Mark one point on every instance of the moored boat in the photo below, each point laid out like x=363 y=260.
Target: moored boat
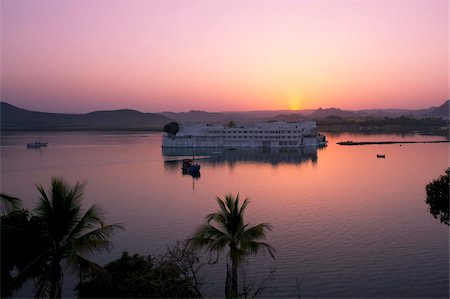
x=216 y=155
x=189 y=167
x=36 y=144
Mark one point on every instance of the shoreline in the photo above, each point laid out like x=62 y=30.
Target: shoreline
x=350 y=143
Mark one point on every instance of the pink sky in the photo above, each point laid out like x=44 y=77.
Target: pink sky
x=177 y=55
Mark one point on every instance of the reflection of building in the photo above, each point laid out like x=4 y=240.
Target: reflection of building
x=264 y=135
x=259 y=155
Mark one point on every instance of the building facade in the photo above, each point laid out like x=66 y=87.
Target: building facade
x=270 y=135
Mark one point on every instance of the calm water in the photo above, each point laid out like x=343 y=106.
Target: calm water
x=346 y=224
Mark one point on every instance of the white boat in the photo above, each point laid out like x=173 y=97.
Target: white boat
x=36 y=144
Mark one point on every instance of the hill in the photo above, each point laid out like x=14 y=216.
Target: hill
x=242 y=117
x=200 y=116
x=291 y=117
x=323 y=113
x=14 y=118
x=441 y=111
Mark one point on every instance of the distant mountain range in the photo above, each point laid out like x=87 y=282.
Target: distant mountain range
x=441 y=111
x=14 y=118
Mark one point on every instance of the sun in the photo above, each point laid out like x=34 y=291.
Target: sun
x=294 y=99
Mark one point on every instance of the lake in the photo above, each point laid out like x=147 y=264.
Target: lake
x=345 y=224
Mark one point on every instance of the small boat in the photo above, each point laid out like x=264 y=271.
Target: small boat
x=216 y=155
x=231 y=148
x=188 y=167
x=36 y=144
x=381 y=156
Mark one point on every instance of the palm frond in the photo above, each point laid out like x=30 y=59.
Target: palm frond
x=44 y=207
x=254 y=247
x=9 y=203
x=42 y=288
x=101 y=233
x=256 y=232
x=221 y=204
x=93 y=216
x=243 y=206
x=210 y=237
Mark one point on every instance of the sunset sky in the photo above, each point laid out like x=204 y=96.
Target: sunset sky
x=222 y=55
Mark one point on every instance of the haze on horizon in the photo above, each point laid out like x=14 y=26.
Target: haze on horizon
x=176 y=55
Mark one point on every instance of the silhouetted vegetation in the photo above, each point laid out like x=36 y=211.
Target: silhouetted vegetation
x=438 y=197
x=62 y=231
x=395 y=124
x=21 y=243
x=172 y=275
x=231 y=124
x=172 y=128
x=9 y=203
x=36 y=245
x=230 y=230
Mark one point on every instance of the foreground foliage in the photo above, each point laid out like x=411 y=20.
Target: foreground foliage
x=64 y=232
x=438 y=197
x=226 y=229
x=137 y=276
x=9 y=203
x=21 y=243
x=176 y=273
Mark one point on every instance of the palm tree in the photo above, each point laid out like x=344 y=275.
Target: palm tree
x=226 y=228
x=69 y=233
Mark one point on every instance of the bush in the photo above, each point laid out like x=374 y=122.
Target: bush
x=138 y=276
x=438 y=197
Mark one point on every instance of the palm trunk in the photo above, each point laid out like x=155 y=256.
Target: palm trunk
x=228 y=283
x=55 y=279
x=234 y=283
x=233 y=288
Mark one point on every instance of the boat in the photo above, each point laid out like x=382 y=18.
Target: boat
x=216 y=155
x=381 y=156
x=36 y=144
x=189 y=167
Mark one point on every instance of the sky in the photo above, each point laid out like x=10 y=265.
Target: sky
x=223 y=55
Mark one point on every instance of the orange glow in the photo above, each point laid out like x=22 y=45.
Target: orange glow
x=209 y=55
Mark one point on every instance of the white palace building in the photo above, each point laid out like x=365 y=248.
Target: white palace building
x=266 y=135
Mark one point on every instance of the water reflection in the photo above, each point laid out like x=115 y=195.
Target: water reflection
x=214 y=156
x=196 y=175
x=349 y=226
